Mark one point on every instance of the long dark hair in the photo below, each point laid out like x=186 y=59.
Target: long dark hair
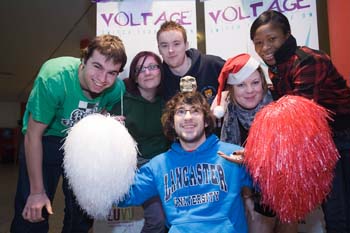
x=134 y=72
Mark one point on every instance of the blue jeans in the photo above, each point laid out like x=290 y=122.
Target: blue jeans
x=337 y=205
x=74 y=218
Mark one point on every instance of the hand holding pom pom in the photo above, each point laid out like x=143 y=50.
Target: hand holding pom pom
x=100 y=162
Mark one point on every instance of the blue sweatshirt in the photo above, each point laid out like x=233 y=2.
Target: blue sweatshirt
x=200 y=191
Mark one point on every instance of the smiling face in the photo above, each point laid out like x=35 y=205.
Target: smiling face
x=268 y=38
x=250 y=92
x=149 y=75
x=189 y=125
x=97 y=74
x=172 y=47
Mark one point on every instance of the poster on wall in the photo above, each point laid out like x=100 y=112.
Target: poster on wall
x=137 y=22
x=227 y=22
x=121 y=220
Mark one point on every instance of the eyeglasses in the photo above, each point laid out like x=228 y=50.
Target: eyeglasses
x=149 y=68
x=181 y=112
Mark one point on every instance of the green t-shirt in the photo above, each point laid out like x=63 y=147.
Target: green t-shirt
x=57 y=98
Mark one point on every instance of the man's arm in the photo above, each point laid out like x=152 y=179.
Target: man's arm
x=37 y=198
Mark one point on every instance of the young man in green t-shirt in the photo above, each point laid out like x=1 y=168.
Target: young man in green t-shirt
x=65 y=90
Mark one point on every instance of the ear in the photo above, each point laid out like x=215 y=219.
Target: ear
x=159 y=50
x=287 y=35
x=187 y=45
x=83 y=62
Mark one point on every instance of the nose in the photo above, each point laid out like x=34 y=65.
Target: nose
x=266 y=45
x=188 y=114
x=170 y=48
x=147 y=71
x=249 y=88
x=103 y=77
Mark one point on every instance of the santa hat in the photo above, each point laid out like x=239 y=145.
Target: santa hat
x=235 y=71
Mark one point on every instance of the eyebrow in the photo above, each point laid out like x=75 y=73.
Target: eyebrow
x=190 y=106
x=97 y=63
x=100 y=65
x=163 y=43
x=170 y=42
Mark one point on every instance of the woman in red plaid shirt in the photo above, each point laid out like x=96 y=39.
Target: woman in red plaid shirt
x=299 y=70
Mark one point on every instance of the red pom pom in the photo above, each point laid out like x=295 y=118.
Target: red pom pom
x=291 y=155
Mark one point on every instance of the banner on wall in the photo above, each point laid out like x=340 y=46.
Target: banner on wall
x=121 y=220
x=137 y=22
x=227 y=22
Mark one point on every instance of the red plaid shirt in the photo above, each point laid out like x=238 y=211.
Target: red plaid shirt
x=310 y=73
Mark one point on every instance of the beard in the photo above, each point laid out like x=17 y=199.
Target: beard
x=191 y=138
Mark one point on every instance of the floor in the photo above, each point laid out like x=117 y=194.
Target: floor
x=8 y=181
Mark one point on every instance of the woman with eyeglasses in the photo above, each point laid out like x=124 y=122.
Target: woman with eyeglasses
x=140 y=110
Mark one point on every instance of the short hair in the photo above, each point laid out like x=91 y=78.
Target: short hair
x=276 y=18
x=108 y=45
x=190 y=98
x=134 y=73
x=172 y=26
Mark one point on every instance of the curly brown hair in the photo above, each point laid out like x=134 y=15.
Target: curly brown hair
x=108 y=45
x=190 y=98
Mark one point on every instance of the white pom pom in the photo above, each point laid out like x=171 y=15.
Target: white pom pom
x=219 y=111
x=100 y=162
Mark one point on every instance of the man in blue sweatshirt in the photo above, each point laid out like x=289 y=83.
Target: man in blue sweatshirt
x=199 y=190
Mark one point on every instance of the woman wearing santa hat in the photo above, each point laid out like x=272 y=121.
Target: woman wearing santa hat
x=248 y=92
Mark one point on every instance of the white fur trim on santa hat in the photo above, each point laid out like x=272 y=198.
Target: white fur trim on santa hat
x=219 y=111
x=244 y=72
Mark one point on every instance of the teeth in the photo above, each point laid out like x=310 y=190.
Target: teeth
x=188 y=126
x=97 y=83
x=269 y=56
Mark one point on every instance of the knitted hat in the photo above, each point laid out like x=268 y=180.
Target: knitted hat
x=234 y=71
